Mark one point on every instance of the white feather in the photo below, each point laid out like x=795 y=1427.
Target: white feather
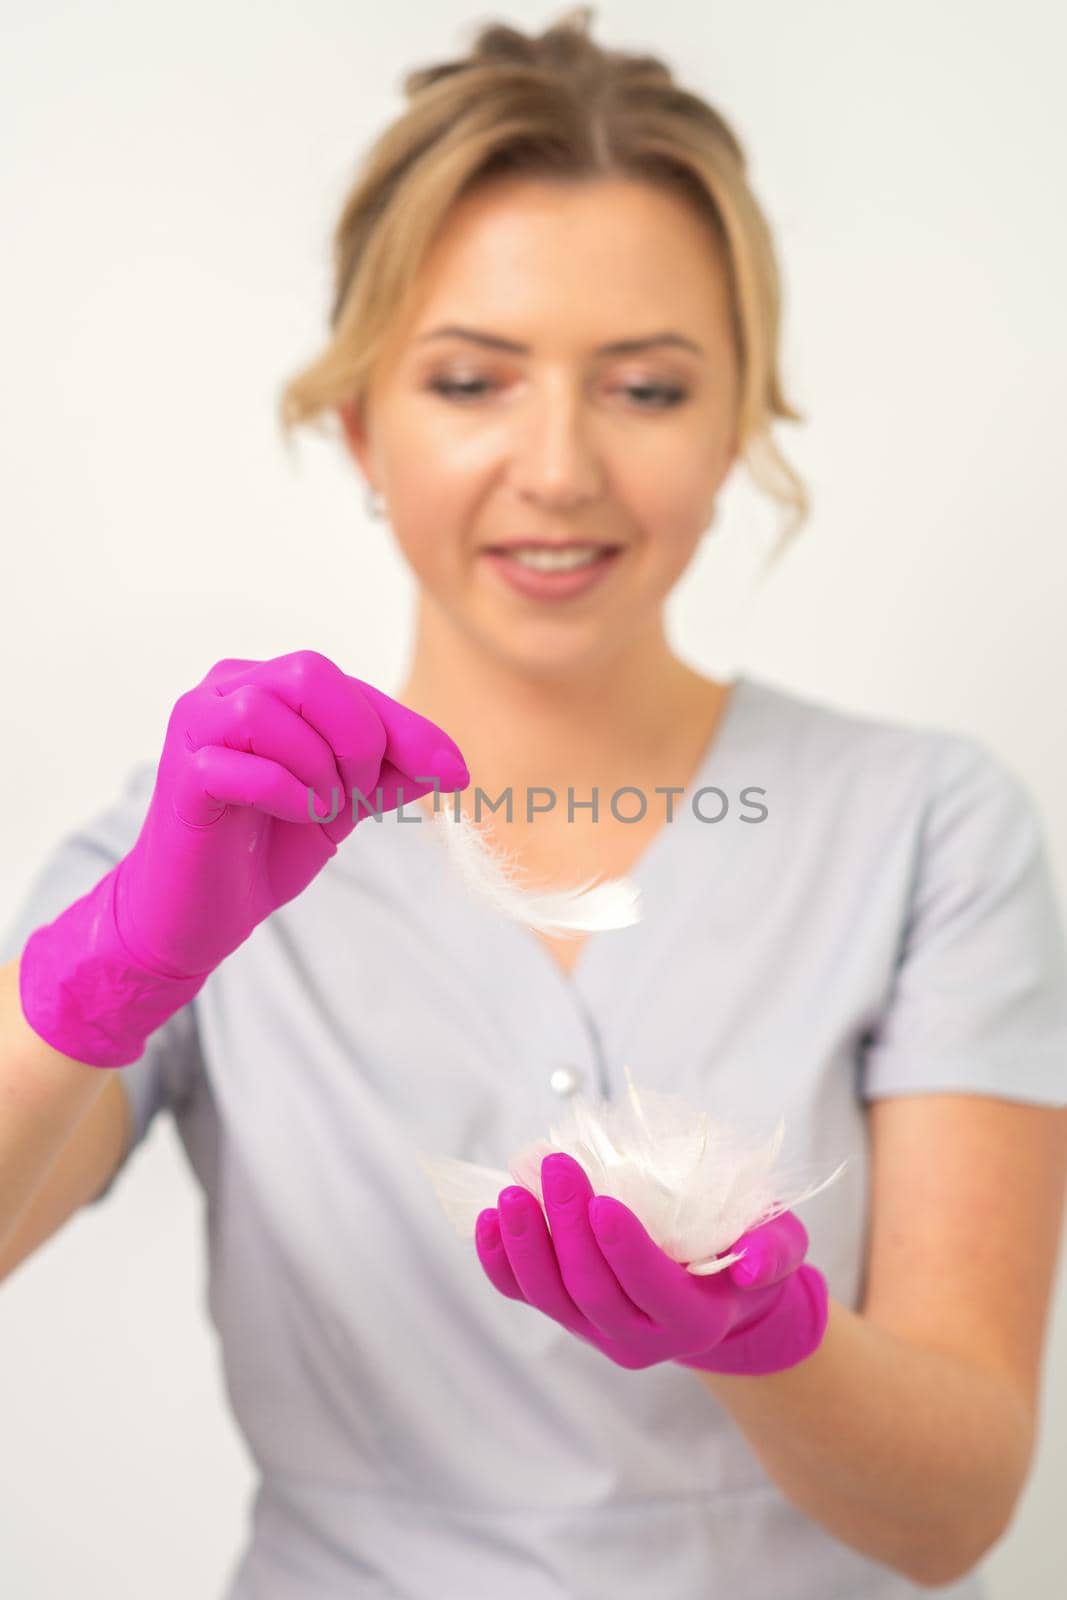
x=492 y=873
x=695 y=1184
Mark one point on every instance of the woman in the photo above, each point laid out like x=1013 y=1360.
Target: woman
x=555 y=327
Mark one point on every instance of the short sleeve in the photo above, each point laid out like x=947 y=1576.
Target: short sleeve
x=165 y=1074
x=978 y=1002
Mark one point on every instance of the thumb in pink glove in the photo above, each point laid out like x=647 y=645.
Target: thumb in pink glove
x=230 y=835
x=600 y=1275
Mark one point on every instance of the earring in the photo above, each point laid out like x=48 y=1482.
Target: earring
x=373 y=501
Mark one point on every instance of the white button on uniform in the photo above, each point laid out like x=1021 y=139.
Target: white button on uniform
x=566 y=1081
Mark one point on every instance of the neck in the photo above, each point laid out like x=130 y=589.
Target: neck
x=624 y=713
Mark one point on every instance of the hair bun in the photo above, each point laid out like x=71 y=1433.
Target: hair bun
x=564 y=44
x=566 y=41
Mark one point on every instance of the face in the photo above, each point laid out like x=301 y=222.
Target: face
x=529 y=430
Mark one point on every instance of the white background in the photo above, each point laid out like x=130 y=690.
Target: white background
x=170 y=177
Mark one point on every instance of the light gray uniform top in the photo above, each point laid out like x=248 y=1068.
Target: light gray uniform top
x=889 y=928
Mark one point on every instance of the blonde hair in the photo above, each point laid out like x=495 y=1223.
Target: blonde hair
x=556 y=106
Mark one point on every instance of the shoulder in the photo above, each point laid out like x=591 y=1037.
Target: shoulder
x=934 y=767
x=815 y=730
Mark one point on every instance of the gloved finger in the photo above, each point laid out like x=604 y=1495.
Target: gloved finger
x=417 y=746
x=588 y=1275
x=497 y=1268
x=317 y=690
x=772 y=1251
x=375 y=739
x=215 y=777
x=668 y=1296
x=492 y=1255
x=532 y=1258
x=392 y=781
x=256 y=720
x=357 y=803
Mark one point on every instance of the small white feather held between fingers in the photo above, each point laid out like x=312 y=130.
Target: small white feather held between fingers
x=491 y=873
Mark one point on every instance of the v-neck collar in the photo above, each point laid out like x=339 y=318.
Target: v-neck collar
x=667 y=838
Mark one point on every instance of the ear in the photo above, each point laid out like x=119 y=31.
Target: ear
x=355 y=432
x=730 y=458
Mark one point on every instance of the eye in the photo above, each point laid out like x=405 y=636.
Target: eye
x=452 y=388
x=667 y=395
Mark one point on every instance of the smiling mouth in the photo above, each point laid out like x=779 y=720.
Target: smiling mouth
x=554 y=559
x=545 y=557
x=555 y=544
x=554 y=574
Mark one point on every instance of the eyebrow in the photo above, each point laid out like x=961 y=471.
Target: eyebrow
x=618 y=347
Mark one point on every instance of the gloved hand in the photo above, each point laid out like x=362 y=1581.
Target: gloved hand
x=228 y=838
x=600 y=1275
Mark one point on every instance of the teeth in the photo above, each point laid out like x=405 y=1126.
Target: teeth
x=556 y=560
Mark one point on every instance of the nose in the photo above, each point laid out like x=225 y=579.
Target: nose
x=555 y=463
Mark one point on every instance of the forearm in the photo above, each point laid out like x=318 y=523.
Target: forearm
x=43 y=1096
x=903 y=1452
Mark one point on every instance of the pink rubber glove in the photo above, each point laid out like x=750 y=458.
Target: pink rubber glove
x=228 y=838
x=600 y=1275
